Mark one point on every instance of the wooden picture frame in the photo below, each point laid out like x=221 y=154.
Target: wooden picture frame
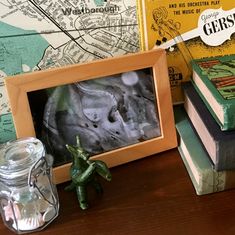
x=19 y=86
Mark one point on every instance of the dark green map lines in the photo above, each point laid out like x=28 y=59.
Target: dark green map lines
x=42 y=34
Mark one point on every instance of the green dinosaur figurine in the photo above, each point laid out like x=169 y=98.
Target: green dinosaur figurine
x=84 y=172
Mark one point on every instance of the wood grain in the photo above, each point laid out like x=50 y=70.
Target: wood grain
x=153 y=195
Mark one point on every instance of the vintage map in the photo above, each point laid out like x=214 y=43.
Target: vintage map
x=42 y=34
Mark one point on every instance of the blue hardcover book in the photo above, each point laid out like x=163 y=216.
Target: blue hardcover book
x=220 y=145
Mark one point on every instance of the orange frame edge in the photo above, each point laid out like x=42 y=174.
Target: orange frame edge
x=18 y=86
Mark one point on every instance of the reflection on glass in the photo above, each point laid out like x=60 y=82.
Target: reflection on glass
x=107 y=113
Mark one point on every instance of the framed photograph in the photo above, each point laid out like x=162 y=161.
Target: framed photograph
x=119 y=107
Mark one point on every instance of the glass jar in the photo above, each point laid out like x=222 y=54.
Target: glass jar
x=28 y=198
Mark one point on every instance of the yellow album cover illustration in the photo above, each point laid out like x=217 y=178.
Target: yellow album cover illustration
x=187 y=30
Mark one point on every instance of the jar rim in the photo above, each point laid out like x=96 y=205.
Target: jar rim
x=17 y=157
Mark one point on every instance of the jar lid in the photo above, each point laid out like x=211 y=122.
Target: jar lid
x=17 y=157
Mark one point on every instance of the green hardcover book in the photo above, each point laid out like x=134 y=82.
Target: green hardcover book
x=214 y=79
x=196 y=160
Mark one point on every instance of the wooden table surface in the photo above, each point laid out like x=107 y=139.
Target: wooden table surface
x=153 y=195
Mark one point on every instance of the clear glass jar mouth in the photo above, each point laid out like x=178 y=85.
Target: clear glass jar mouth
x=17 y=156
x=28 y=198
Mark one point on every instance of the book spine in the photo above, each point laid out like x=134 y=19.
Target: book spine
x=229 y=117
x=140 y=19
x=225 y=155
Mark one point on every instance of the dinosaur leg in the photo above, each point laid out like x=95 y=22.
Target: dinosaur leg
x=70 y=187
x=103 y=170
x=82 y=197
x=97 y=186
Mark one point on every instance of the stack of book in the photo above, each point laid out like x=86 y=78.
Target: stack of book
x=206 y=125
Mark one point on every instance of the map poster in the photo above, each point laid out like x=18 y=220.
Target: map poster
x=44 y=34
